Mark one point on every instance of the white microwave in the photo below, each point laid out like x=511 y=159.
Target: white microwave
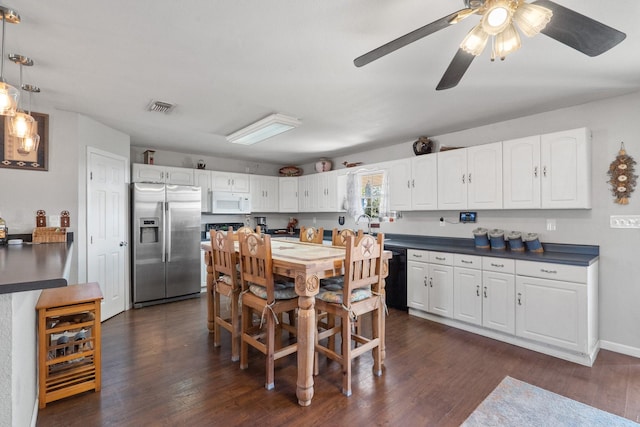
x=230 y=203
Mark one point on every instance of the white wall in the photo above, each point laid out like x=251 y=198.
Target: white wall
x=611 y=121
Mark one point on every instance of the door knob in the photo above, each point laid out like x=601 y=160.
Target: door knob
x=123 y=243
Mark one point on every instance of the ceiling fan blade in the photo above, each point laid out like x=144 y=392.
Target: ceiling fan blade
x=413 y=36
x=578 y=31
x=458 y=66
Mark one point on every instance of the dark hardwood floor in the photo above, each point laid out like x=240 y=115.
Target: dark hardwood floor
x=160 y=369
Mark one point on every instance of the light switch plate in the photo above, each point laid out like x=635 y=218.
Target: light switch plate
x=624 y=221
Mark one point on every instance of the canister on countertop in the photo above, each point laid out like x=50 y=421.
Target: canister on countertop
x=532 y=242
x=496 y=237
x=481 y=239
x=515 y=241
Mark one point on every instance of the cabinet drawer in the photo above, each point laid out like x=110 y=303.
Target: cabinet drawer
x=469 y=261
x=568 y=273
x=501 y=265
x=442 y=258
x=416 y=255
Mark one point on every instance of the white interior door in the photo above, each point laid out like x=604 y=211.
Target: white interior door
x=107 y=250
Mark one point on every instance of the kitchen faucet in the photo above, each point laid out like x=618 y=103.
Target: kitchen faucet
x=368 y=218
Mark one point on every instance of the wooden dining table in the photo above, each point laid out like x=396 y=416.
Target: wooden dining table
x=306 y=264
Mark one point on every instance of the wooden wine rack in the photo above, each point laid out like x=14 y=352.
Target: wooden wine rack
x=69 y=346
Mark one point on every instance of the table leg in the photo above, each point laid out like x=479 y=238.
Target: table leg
x=210 y=283
x=306 y=348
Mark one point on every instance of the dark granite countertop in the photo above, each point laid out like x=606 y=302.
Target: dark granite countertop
x=580 y=255
x=28 y=266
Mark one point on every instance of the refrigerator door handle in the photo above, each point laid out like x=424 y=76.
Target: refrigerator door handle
x=164 y=227
x=168 y=232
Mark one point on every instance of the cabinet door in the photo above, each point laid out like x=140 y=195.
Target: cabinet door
x=240 y=183
x=498 y=301
x=424 y=182
x=484 y=176
x=147 y=173
x=441 y=290
x=271 y=193
x=566 y=169
x=288 y=194
x=521 y=173
x=417 y=280
x=452 y=179
x=178 y=176
x=467 y=302
x=399 y=176
x=552 y=312
x=202 y=179
x=305 y=190
x=257 y=193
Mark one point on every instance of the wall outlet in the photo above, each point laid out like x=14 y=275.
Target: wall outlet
x=441 y=221
x=551 y=225
x=624 y=221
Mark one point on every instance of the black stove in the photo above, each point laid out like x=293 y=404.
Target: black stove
x=222 y=226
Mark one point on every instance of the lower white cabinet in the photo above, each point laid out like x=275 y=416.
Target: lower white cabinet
x=430 y=282
x=546 y=307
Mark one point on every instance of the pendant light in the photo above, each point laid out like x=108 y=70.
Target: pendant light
x=21 y=124
x=8 y=94
x=30 y=143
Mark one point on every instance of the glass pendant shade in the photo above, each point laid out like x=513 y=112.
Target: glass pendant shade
x=497 y=18
x=22 y=125
x=8 y=99
x=475 y=42
x=506 y=42
x=531 y=18
x=29 y=144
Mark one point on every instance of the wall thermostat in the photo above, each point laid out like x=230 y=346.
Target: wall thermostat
x=468 y=217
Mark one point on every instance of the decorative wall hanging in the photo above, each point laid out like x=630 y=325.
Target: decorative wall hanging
x=12 y=157
x=622 y=178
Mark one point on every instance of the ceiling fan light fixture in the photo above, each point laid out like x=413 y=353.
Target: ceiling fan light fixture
x=475 y=41
x=497 y=16
x=531 y=18
x=506 y=42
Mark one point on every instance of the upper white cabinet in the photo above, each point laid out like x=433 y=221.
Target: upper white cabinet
x=308 y=194
x=551 y=171
x=470 y=178
x=264 y=193
x=413 y=183
x=202 y=178
x=230 y=181
x=566 y=169
x=322 y=192
x=161 y=174
x=288 y=194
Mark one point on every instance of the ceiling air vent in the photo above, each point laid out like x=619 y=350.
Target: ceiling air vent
x=160 y=107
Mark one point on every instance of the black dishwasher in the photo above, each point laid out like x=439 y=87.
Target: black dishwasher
x=396 y=282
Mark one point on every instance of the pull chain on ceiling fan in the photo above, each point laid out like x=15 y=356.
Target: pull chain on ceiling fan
x=497 y=20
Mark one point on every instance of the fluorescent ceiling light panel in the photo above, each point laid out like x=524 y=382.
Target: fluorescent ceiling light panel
x=270 y=126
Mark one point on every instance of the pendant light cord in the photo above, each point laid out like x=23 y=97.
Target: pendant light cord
x=3 y=37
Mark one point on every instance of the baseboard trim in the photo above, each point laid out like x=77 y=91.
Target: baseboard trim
x=620 y=348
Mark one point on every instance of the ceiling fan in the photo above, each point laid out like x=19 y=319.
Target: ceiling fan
x=497 y=21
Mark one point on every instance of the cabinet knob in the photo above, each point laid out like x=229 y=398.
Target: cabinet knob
x=463 y=181
x=469 y=178
x=535 y=172
x=425 y=280
x=485 y=291
x=519 y=298
x=477 y=290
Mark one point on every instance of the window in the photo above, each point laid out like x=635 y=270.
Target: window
x=371 y=193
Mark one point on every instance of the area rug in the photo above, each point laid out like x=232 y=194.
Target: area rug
x=516 y=403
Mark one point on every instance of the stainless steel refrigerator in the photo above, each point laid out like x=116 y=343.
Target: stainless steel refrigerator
x=165 y=223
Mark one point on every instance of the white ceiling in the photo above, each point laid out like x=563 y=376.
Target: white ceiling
x=227 y=63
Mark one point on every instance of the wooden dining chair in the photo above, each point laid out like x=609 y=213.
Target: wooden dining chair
x=363 y=286
x=262 y=294
x=311 y=234
x=226 y=282
x=339 y=237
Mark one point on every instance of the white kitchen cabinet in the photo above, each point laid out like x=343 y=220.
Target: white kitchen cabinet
x=556 y=304
x=498 y=294
x=308 y=193
x=417 y=284
x=288 y=194
x=430 y=282
x=202 y=179
x=467 y=288
x=551 y=171
x=328 y=193
x=470 y=178
x=452 y=179
x=566 y=169
x=264 y=193
x=230 y=181
x=161 y=174
x=413 y=183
